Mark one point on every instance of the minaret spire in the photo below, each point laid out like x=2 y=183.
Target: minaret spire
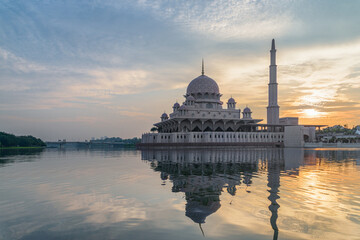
x=202 y=68
x=273 y=107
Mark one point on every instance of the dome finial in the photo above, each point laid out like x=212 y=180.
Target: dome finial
x=202 y=68
x=202 y=231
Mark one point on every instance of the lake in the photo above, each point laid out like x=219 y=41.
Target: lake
x=216 y=193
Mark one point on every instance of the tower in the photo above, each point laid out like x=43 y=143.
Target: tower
x=231 y=104
x=273 y=107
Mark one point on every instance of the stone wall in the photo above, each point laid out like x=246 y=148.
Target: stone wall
x=297 y=136
x=213 y=137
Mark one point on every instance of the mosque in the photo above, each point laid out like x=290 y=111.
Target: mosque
x=202 y=121
x=202 y=111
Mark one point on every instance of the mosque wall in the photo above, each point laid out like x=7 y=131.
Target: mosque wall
x=213 y=137
x=207 y=113
x=205 y=125
x=297 y=136
x=293 y=136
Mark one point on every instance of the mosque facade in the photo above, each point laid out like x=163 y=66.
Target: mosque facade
x=202 y=120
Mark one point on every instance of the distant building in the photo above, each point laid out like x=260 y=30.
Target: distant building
x=289 y=121
x=357 y=130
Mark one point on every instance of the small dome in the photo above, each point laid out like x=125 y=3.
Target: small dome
x=182 y=107
x=176 y=105
x=247 y=110
x=190 y=98
x=202 y=84
x=164 y=115
x=231 y=100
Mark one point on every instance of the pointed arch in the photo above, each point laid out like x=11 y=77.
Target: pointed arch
x=229 y=129
x=185 y=125
x=196 y=129
x=208 y=126
x=196 y=126
x=219 y=125
x=208 y=129
x=219 y=129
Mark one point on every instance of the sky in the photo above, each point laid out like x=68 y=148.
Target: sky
x=81 y=69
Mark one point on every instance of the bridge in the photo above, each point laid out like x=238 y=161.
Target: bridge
x=75 y=145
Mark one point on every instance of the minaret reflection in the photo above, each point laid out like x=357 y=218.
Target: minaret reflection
x=203 y=174
x=274 y=168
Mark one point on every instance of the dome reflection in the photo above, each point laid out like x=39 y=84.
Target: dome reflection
x=203 y=174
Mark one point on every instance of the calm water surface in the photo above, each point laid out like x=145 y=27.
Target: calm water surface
x=180 y=194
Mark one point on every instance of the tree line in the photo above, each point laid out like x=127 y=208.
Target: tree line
x=10 y=140
x=340 y=129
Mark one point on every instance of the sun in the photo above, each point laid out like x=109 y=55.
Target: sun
x=311 y=113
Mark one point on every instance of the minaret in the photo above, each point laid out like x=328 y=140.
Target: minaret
x=273 y=107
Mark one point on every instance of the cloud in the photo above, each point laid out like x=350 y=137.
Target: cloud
x=37 y=86
x=18 y=64
x=321 y=74
x=222 y=19
x=312 y=78
x=321 y=78
x=99 y=59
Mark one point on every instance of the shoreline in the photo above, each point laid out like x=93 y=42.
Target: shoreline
x=5 y=148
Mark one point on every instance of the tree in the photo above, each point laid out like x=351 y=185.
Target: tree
x=154 y=129
x=10 y=140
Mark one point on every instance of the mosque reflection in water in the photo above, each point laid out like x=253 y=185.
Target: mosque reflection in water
x=202 y=174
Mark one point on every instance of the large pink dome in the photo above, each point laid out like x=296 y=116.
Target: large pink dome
x=202 y=84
